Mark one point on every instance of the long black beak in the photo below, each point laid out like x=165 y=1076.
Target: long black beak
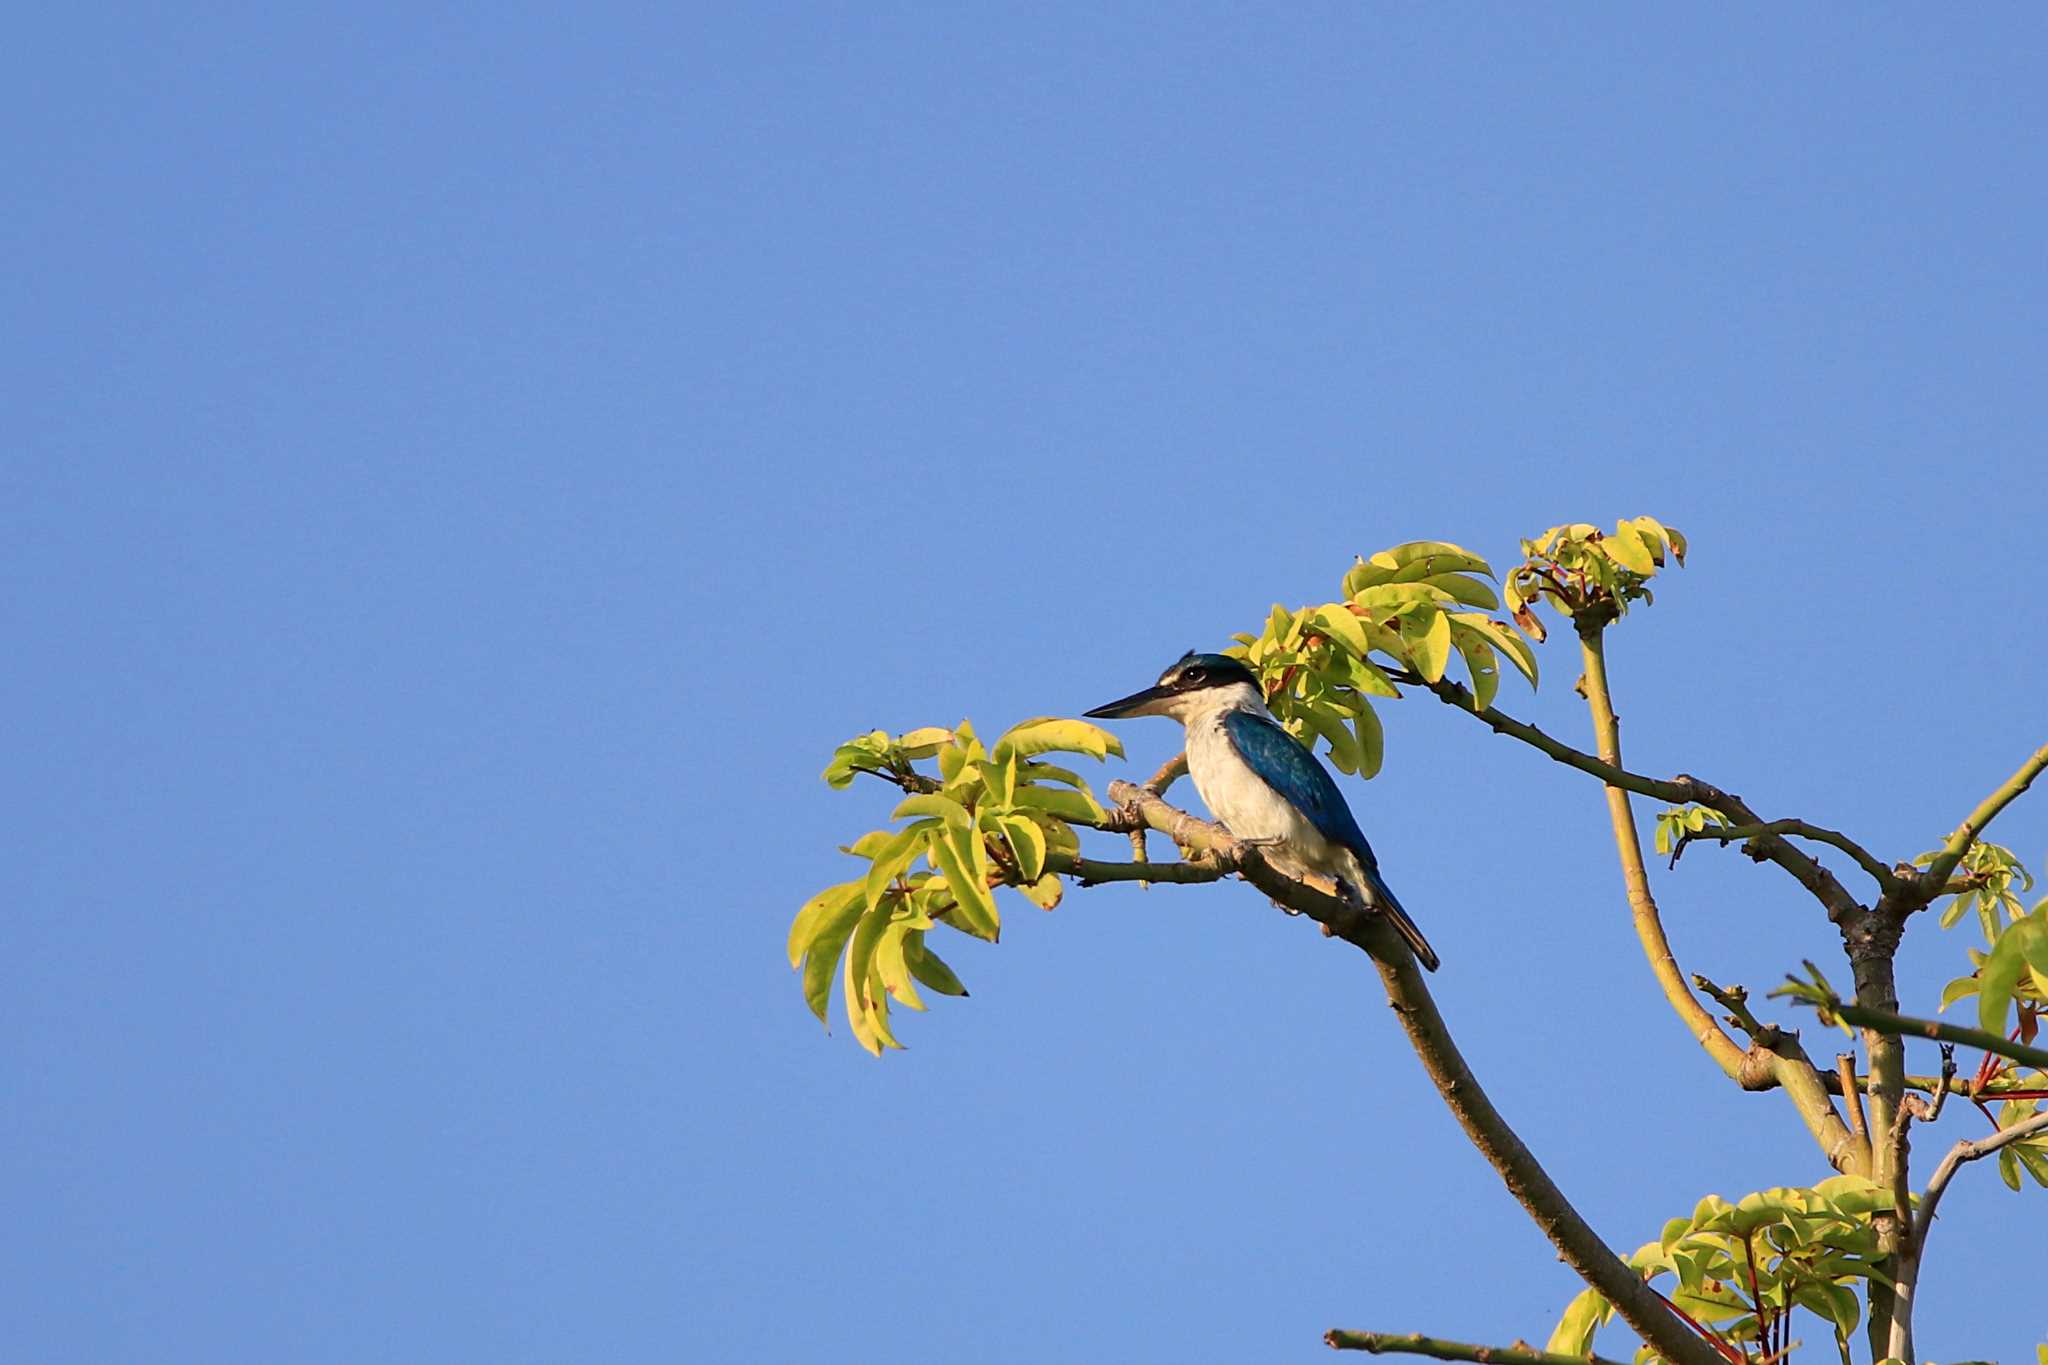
x=1131 y=705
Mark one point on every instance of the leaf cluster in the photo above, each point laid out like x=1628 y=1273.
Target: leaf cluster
x=2011 y=974
x=1674 y=823
x=1587 y=575
x=993 y=816
x=1412 y=609
x=1740 y=1269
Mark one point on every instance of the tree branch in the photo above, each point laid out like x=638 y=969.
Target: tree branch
x=1635 y=877
x=1578 y=1245
x=1913 y=1244
x=1905 y=1026
x=1727 y=834
x=1093 y=872
x=1987 y=810
x=1923 y=1219
x=1679 y=791
x=1415 y=1344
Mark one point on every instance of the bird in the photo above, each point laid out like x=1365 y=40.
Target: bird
x=1264 y=785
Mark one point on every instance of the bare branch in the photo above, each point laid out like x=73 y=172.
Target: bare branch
x=1969 y=1151
x=1852 y=1094
x=1578 y=1245
x=1734 y=999
x=1169 y=772
x=1728 y=834
x=1679 y=791
x=1415 y=1344
x=1092 y=872
x=1987 y=810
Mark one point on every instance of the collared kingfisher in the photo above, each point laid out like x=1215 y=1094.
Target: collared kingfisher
x=1263 y=784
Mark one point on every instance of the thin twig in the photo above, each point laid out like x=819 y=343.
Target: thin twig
x=1679 y=791
x=1969 y=1151
x=1169 y=772
x=1948 y=1076
x=1987 y=810
x=1728 y=834
x=1904 y=1026
x=1415 y=1344
x=1852 y=1094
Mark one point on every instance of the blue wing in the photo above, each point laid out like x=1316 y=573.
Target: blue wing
x=1300 y=777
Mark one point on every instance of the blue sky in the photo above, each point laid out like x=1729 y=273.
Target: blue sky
x=467 y=467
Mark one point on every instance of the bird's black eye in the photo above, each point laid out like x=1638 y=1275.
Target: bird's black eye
x=1194 y=677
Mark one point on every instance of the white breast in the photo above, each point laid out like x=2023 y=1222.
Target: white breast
x=1239 y=798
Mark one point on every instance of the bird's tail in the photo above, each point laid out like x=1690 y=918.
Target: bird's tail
x=1381 y=898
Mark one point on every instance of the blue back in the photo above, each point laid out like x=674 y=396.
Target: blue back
x=1300 y=777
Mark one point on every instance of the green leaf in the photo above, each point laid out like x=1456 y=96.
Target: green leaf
x=1855 y=1195
x=1573 y=1335
x=1956 y=990
x=1417 y=559
x=1476 y=648
x=2000 y=975
x=827 y=907
x=869 y=844
x=1048 y=772
x=1470 y=591
x=1344 y=627
x=977 y=914
x=1503 y=638
x=1027 y=842
x=1044 y=893
x=866 y=1010
x=2034 y=1160
x=890 y=862
x=2009 y=1167
x=1078 y=807
x=927 y=967
x=1050 y=734
x=892 y=966
x=924 y=742
x=1387 y=595
x=932 y=804
x=1343 y=744
x=1625 y=547
x=870 y=751
x=1372 y=741
x=1429 y=644
x=821 y=955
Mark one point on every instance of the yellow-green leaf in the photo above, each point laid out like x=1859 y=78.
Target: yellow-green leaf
x=891 y=964
x=927 y=967
x=890 y=862
x=976 y=909
x=1372 y=742
x=1625 y=547
x=1079 y=807
x=1429 y=643
x=924 y=742
x=1573 y=1335
x=932 y=804
x=1027 y=843
x=834 y=903
x=1049 y=734
x=1044 y=893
